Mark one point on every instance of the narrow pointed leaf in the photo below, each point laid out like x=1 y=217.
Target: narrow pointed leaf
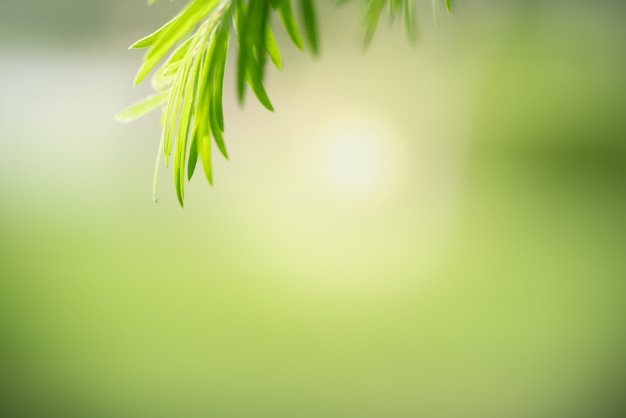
x=151 y=39
x=289 y=21
x=188 y=18
x=257 y=87
x=171 y=112
x=217 y=76
x=193 y=157
x=259 y=35
x=372 y=17
x=408 y=21
x=245 y=48
x=217 y=134
x=252 y=37
x=272 y=47
x=213 y=113
x=204 y=149
x=185 y=127
x=142 y=107
x=310 y=24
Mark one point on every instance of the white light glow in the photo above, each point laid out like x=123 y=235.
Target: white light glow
x=361 y=158
x=355 y=161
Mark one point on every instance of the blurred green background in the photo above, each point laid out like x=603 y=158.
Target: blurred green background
x=433 y=232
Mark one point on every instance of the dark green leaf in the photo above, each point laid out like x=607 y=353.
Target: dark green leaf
x=193 y=157
x=289 y=21
x=245 y=46
x=251 y=34
x=216 y=74
x=310 y=24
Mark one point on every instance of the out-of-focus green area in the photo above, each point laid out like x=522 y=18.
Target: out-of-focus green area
x=432 y=232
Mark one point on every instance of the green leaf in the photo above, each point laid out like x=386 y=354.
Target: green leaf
x=393 y=7
x=310 y=24
x=372 y=16
x=179 y=53
x=272 y=47
x=241 y=24
x=396 y=5
x=252 y=37
x=190 y=82
x=193 y=157
x=182 y=137
x=215 y=85
x=289 y=21
x=202 y=111
x=164 y=77
x=162 y=80
x=189 y=17
x=254 y=80
x=408 y=21
x=205 y=155
x=259 y=35
x=171 y=111
x=217 y=134
x=185 y=122
x=154 y=37
x=142 y=107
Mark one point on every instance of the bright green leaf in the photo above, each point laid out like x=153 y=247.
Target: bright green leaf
x=142 y=107
x=180 y=26
x=272 y=47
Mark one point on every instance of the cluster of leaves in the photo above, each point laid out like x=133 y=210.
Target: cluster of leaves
x=189 y=82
